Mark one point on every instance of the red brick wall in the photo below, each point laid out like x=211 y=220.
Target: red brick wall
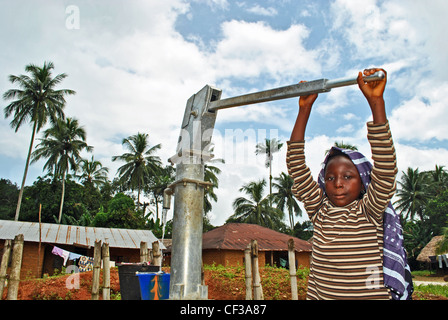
x=303 y=259
x=236 y=257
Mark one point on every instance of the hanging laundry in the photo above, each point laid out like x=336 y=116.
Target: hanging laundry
x=442 y=257
x=73 y=256
x=85 y=264
x=62 y=253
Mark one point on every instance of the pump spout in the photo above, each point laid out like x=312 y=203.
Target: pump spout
x=167 y=193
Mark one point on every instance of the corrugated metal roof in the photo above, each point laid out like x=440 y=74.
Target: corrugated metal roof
x=236 y=236
x=70 y=235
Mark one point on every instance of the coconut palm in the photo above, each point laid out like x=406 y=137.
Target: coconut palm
x=92 y=172
x=343 y=145
x=442 y=246
x=268 y=148
x=62 y=145
x=412 y=194
x=36 y=102
x=257 y=208
x=285 y=198
x=437 y=180
x=156 y=184
x=211 y=175
x=140 y=160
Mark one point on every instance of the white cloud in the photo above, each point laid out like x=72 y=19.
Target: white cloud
x=422 y=158
x=333 y=102
x=214 y=4
x=396 y=33
x=371 y=26
x=351 y=116
x=423 y=117
x=250 y=50
x=345 y=129
x=257 y=9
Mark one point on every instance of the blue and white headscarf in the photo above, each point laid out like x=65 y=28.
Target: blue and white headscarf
x=397 y=274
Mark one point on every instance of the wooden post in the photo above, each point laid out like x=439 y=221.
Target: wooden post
x=96 y=270
x=248 y=273
x=16 y=265
x=292 y=269
x=39 y=269
x=144 y=252
x=4 y=265
x=258 y=290
x=106 y=271
x=156 y=255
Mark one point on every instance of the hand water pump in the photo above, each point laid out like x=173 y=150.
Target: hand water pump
x=193 y=151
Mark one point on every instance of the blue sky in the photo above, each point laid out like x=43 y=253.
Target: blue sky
x=134 y=64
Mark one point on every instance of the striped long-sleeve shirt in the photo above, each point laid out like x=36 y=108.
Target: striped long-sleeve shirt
x=347 y=241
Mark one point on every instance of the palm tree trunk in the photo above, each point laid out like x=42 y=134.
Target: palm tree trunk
x=62 y=197
x=19 y=201
x=138 y=197
x=270 y=180
x=291 y=219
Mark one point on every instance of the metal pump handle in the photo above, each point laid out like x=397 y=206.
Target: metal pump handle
x=295 y=90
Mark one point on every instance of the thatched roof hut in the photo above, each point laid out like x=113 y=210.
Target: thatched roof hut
x=429 y=250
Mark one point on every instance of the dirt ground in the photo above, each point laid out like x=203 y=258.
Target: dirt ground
x=55 y=288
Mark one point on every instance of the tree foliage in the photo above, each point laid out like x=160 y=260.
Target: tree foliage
x=423 y=202
x=35 y=101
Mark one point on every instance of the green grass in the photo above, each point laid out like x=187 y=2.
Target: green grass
x=438 y=290
x=431 y=289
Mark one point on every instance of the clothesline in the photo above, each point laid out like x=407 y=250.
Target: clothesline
x=85 y=263
x=64 y=254
x=443 y=257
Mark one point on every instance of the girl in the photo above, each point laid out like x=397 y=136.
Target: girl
x=347 y=210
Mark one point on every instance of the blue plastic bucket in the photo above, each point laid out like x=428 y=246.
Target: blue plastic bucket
x=154 y=286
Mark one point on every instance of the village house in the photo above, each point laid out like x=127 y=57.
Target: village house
x=225 y=245
x=124 y=244
x=432 y=260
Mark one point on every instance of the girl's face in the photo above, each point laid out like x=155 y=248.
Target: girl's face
x=343 y=184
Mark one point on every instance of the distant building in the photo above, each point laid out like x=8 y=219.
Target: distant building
x=124 y=244
x=432 y=260
x=225 y=245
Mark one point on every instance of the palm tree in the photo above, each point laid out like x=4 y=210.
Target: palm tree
x=257 y=209
x=156 y=184
x=442 y=246
x=62 y=145
x=285 y=198
x=412 y=194
x=139 y=162
x=416 y=235
x=343 y=145
x=268 y=147
x=93 y=172
x=36 y=102
x=437 y=180
x=211 y=175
